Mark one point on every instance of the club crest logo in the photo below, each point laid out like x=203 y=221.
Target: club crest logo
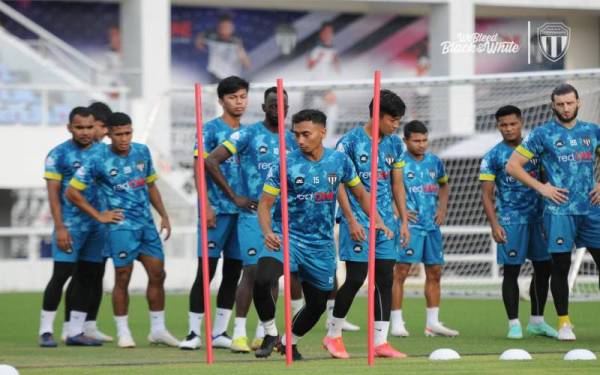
x=554 y=39
x=140 y=165
x=431 y=173
x=586 y=141
x=389 y=160
x=332 y=178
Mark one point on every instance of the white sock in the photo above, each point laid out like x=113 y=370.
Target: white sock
x=294 y=339
x=65 y=329
x=335 y=327
x=195 y=322
x=381 y=332
x=90 y=326
x=514 y=322
x=47 y=321
x=239 y=328
x=76 y=320
x=270 y=327
x=330 y=305
x=122 y=326
x=297 y=305
x=157 y=321
x=260 y=331
x=433 y=316
x=221 y=321
x=536 y=319
x=396 y=317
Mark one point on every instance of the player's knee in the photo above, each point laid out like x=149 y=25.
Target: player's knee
x=433 y=273
x=232 y=270
x=384 y=280
x=542 y=269
x=122 y=276
x=401 y=273
x=157 y=275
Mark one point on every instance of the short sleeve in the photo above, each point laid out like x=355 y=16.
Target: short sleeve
x=441 y=172
x=85 y=175
x=350 y=177
x=272 y=184
x=532 y=145
x=210 y=140
x=151 y=175
x=398 y=153
x=237 y=141
x=53 y=166
x=487 y=170
x=343 y=146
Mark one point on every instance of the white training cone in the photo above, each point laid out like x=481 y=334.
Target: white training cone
x=515 y=355
x=580 y=355
x=8 y=370
x=444 y=354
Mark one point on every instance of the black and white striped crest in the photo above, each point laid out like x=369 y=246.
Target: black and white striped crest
x=554 y=39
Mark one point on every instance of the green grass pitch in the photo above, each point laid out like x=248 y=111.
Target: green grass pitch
x=482 y=326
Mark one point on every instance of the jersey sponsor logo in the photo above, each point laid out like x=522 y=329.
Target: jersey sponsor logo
x=263 y=149
x=318 y=197
x=427 y=188
x=299 y=181
x=363 y=158
x=76 y=164
x=357 y=248
x=560 y=241
x=332 y=178
x=264 y=166
x=130 y=185
x=512 y=253
x=113 y=172
x=575 y=157
x=410 y=252
x=382 y=175
x=252 y=251
x=559 y=143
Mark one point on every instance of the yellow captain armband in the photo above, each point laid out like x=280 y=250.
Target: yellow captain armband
x=53 y=176
x=525 y=152
x=77 y=184
x=399 y=164
x=487 y=177
x=230 y=146
x=271 y=190
x=352 y=183
x=443 y=180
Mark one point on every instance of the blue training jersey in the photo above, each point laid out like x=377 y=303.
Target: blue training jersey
x=61 y=164
x=258 y=150
x=422 y=181
x=515 y=202
x=312 y=194
x=357 y=145
x=123 y=180
x=568 y=158
x=215 y=132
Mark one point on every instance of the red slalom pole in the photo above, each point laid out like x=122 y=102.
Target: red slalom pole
x=201 y=180
x=372 y=215
x=287 y=295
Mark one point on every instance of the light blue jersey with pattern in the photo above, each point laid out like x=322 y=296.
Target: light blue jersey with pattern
x=123 y=180
x=312 y=193
x=568 y=158
x=357 y=145
x=515 y=202
x=422 y=181
x=61 y=164
x=215 y=132
x=258 y=150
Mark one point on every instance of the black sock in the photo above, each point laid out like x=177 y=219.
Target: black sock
x=384 y=279
x=197 y=292
x=268 y=272
x=510 y=290
x=96 y=293
x=309 y=315
x=232 y=269
x=60 y=274
x=356 y=272
x=538 y=289
x=83 y=281
x=559 y=283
